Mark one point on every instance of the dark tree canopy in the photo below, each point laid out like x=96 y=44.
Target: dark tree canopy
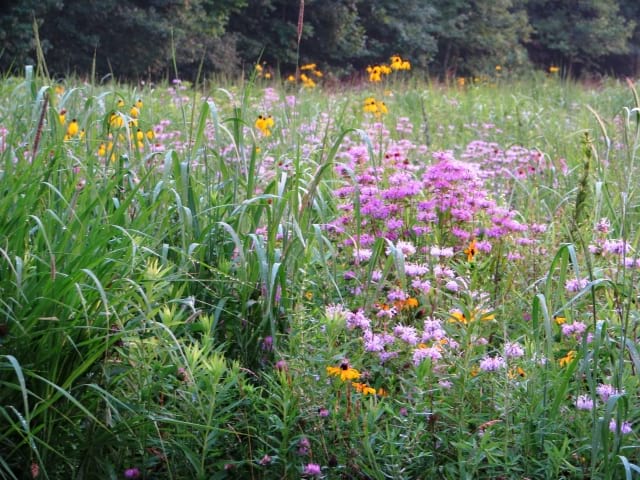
x=140 y=39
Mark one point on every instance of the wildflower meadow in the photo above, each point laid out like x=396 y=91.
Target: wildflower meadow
x=277 y=278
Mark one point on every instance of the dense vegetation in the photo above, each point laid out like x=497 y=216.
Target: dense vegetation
x=449 y=38
x=402 y=280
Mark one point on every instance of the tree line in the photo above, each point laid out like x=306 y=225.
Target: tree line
x=163 y=38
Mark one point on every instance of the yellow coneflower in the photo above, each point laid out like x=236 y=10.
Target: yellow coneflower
x=120 y=103
x=139 y=104
x=139 y=135
x=115 y=120
x=62 y=116
x=72 y=129
x=134 y=112
x=270 y=122
x=150 y=135
x=102 y=150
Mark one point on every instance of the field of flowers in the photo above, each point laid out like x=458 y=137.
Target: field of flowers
x=266 y=279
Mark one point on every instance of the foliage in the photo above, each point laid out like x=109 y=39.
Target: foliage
x=578 y=35
x=463 y=37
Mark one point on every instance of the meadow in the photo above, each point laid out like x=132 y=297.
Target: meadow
x=262 y=279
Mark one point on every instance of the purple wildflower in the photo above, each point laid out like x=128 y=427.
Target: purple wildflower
x=358 y=320
x=576 y=284
x=406 y=334
x=625 y=428
x=132 y=473
x=513 y=350
x=491 y=364
x=606 y=391
x=419 y=354
x=584 y=402
x=312 y=469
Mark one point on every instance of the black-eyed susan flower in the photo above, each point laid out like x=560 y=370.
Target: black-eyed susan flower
x=307 y=81
x=344 y=372
x=375 y=73
x=376 y=107
x=265 y=124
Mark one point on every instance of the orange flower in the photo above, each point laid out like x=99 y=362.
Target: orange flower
x=471 y=250
x=363 y=388
x=457 y=315
x=567 y=359
x=559 y=320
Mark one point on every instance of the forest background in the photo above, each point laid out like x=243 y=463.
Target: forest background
x=156 y=39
